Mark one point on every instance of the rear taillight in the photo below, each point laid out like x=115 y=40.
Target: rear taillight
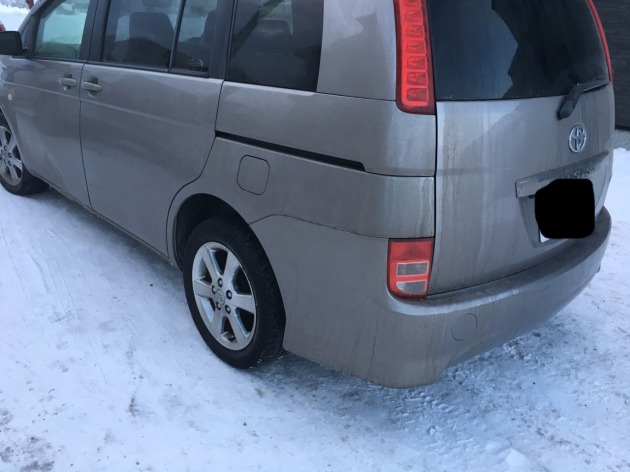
x=409 y=267
x=2 y=28
x=603 y=36
x=415 y=69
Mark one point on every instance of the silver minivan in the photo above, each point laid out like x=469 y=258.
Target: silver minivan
x=387 y=187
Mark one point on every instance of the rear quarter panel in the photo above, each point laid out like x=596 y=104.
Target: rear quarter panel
x=359 y=49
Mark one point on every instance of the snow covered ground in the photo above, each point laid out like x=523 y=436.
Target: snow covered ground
x=102 y=370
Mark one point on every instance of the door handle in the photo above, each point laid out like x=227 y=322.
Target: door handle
x=92 y=86
x=68 y=82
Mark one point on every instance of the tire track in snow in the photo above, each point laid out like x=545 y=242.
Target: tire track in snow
x=15 y=268
x=23 y=453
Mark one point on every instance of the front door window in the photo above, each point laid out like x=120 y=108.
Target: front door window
x=60 y=30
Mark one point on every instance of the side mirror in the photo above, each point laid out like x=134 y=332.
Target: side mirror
x=11 y=44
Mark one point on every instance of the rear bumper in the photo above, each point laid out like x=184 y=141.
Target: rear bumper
x=339 y=311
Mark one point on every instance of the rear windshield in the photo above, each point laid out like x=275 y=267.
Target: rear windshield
x=509 y=49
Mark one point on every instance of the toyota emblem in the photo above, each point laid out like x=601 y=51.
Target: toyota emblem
x=578 y=139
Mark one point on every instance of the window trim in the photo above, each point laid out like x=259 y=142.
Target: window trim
x=178 y=28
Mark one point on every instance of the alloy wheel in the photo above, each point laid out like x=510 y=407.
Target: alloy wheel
x=224 y=296
x=11 y=167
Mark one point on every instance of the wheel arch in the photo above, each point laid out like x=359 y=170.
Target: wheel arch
x=7 y=116
x=7 y=111
x=7 y=102
x=193 y=211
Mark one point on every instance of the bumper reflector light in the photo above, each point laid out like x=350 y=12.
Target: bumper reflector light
x=409 y=267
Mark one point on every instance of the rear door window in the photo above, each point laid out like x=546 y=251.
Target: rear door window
x=141 y=32
x=511 y=49
x=277 y=43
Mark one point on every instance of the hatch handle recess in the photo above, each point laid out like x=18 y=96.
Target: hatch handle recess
x=582 y=170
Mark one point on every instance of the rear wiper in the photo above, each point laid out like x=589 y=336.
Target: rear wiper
x=571 y=100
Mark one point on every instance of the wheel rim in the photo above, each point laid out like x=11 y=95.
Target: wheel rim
x=11 y=166
x=224 y=296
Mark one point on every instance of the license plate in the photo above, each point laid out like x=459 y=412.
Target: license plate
x=565 y=209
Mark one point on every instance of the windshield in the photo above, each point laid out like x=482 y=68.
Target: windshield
x=510 y=49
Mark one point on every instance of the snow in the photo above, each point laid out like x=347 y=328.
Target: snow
x=102 y=370
x=12 y=16
x=13 y=3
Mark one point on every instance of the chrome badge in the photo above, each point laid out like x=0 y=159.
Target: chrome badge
x=578 y=138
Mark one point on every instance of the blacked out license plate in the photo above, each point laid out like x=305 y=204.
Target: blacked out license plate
x=565 y=209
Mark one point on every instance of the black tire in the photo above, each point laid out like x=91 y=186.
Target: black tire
x=267 y=327
x=22 y=182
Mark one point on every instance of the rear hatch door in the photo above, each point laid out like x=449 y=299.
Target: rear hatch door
x=502 y=71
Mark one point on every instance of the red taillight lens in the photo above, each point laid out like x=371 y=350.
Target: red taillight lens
x=603 y=36
x=2 y=28
x=415 y=69
x=409 y=267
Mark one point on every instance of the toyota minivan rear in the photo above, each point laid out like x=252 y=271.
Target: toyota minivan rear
x=496 y=100
x=387 y=187
x=503 y=70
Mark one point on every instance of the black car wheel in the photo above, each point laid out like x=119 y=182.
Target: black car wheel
x=233 y=294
